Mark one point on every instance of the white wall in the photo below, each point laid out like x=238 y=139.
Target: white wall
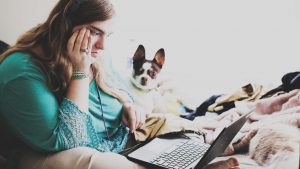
x=216 y=46
x=17 y=16
x=211 y=46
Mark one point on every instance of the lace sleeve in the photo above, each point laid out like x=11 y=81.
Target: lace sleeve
x=76 y=128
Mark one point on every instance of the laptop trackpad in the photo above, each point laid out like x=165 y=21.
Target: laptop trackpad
x=155 y=147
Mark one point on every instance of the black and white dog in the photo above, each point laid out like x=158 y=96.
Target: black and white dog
x=144 y=80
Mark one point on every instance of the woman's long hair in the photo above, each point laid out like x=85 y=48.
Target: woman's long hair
x=47 y=42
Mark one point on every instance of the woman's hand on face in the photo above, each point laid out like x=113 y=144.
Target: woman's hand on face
x=79 y=49
x=132 y=116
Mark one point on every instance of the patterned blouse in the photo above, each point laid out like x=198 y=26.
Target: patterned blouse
x=31 y=111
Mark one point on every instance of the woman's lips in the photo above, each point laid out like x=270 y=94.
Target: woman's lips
x=94 y=54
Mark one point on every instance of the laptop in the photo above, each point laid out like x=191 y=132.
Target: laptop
x=182 y=153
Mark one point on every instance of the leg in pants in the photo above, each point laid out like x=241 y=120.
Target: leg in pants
x=77 y=158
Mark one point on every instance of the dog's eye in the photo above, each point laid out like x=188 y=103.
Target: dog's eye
x=151 y=73
x=141 y=71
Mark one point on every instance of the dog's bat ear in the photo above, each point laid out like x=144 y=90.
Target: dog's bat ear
x=159 y=57
x=139 y=53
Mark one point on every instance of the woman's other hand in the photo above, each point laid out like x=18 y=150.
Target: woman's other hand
x=79 y=49
x=132 y=116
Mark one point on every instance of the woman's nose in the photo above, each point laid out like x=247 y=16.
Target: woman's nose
x=100 y=43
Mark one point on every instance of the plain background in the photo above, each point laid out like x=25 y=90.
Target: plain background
x=211 y=47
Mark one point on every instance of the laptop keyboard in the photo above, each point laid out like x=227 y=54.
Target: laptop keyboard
x=181 y=156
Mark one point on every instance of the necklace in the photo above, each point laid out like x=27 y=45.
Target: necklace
x=101 y=108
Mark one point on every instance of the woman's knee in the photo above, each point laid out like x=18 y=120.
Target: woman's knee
x=88 y=158
x=78 y=158
x=112 y=161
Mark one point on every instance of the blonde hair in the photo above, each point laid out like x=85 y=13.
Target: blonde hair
x=108 y=81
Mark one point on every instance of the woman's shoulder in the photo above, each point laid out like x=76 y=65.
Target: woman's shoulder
x=17 y=60
x=18 y=64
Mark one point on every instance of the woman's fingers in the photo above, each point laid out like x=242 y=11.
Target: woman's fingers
x=127 y=120
x=133 y=117
x=79 y=40
x=89 y=44
x=72 y=41
x=140 y=116
x=138 y=119
x=85 y=41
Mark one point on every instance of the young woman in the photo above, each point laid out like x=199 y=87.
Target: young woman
x=59 y=97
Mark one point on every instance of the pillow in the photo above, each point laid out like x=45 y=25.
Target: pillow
x=3 y=46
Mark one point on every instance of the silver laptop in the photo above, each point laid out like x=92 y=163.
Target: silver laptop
x=182 y=153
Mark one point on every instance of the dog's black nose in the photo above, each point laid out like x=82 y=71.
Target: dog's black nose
x=144 y=81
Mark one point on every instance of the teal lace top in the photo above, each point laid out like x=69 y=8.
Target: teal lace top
x=31 y=111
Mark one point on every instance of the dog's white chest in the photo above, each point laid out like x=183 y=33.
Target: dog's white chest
x=145 y=99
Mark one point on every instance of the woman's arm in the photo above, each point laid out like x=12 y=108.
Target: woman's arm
x=33 y=114
x=30 y=111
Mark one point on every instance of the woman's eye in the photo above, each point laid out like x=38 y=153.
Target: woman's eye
x=94 y=33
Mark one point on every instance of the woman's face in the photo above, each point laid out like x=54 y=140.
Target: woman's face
x=99 y=32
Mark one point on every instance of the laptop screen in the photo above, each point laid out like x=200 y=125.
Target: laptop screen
x=223 y=140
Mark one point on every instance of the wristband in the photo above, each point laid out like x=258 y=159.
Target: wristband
x=79 y=75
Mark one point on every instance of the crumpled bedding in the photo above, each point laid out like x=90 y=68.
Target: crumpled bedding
x=280 y=110
x=283 y=109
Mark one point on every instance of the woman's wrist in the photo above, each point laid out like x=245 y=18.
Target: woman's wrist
x=77 y=75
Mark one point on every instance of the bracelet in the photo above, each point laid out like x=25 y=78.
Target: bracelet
x=79 y=75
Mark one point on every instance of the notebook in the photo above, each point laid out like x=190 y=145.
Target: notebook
x=182 y=153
